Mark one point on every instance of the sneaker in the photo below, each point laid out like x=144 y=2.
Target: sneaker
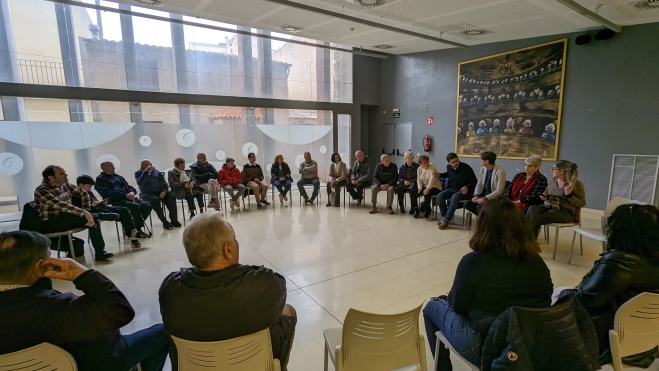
x=312 y=199
x=135 y=244
x=176 y=223
x=167 y=225
x=265 y=202
x=374 y=210
x=442 y=224
x=281 y=200
x=390 y=210
x=237 y=203
x=103 y=256
x=141 y=234
x=286 y=198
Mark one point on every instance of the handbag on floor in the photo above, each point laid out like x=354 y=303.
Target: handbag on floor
x=332 y=198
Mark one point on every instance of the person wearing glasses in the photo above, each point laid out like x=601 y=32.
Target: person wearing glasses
x=563 y=196
x=527 y=187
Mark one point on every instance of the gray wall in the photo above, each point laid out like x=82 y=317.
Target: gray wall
x=609 y=106
x=366 y=96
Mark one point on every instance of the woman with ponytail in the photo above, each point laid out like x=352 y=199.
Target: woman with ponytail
x=563 y=196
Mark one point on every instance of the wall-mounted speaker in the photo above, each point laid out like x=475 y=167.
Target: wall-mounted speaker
x=604 y=34
x=582 y=39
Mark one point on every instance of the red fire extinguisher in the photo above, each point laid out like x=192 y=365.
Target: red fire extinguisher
x=426 y=143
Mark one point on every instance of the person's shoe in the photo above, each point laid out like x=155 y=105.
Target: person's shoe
x=108 y=216
x=236 y=203
x=141 y=234
x=281 y=200
x=231 y=205
x=167 y=225
x=135 y=244
x=390 y=210
x=402 y=210
x=176 y=223
x=337 y=204
x=286 y=198
x=312 y=199
x=416 y=212
x=212 y=204
x=192 y=214
x=328 y=204
x=306 y=199
x=259 y=206
x=265 y=202
x=442 y=224
x=426 y=214
x=412 y=211
x=103 y=256
x=374 y=209
x=359 y=202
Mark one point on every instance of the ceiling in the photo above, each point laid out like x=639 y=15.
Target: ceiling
x=504 y=19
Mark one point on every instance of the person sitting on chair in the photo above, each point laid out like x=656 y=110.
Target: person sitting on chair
x=504 y=269
x=309 y=171
x=232 y=182
x=253 y=179
x=86 y=182
x=54 y=203
x=428 y=184
x=527 y=187
x=361 y=177
x=337 y=179
x=86 y=326
x=563 y=196
x=461 y=183
x=183 y=188
x=252 y=297
x=119 y=193
x=154 y=190
x=491 y=183
x=407 y=183
x=203 y=174
x=385 y=179
x=280 y=176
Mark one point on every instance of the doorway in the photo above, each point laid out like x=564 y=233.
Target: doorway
x=397 y=140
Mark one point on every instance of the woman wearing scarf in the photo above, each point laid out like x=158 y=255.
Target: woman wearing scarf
x=527 y=186
x=337 y=178
x=183 y=189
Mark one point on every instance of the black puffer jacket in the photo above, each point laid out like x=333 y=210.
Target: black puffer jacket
x=557 y=338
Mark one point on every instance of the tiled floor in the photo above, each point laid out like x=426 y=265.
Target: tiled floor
x=333 y=258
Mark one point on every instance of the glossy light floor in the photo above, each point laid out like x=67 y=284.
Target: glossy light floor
x=333 y=259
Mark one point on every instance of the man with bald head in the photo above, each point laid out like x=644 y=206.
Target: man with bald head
x=361 y=176
x=154 y=190
x=229 y=299
x=116 y=189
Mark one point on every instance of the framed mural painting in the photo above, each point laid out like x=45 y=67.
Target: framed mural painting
x=510 y=103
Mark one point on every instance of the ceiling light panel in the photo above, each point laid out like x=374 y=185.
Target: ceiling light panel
x=341 y=29
x=239 y=9
x=296 y=17
x=183 y=4
x=415 y=10
x=378 y=37
x=525 y=28
x=502 y=13
x=417 y=45
x=337 y=5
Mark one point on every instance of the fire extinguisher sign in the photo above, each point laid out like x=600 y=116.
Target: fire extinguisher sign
x=431 y=120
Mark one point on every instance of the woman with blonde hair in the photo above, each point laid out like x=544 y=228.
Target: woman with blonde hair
x=280 y=177
x=527 y=187
x=563 y=196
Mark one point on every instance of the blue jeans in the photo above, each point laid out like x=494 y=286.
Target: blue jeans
x=302 y=182
x=283 y=187
x=455 y=196
x=148 y=347
x=439 y=317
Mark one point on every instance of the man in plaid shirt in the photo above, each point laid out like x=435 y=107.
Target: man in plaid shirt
x=53 y=199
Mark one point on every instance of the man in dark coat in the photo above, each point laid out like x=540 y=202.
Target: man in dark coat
x=154 y=189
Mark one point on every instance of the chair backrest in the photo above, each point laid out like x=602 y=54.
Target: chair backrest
x=379 y=342
x=613 y=204
x=577 y=216
x=30 y=220
x=246 y=353
x=637 y=324
x=44 y=356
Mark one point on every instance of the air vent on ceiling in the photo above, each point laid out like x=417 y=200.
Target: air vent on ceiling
x=384 y=46
x=290 y=28
x=645 y=5
x=369 y=3
x=475 y=32
x=150 y=2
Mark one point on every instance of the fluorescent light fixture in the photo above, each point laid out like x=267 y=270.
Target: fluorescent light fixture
x=591 y=15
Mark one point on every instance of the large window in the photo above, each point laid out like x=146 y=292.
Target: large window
x=57 y=44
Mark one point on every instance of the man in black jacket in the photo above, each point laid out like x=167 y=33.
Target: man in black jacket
x=461 y=184
x=203 y=174
x=86 y=326
x=385 y=179
x=230 y=299
x=155 y=190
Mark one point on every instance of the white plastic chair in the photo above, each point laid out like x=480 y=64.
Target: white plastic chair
x=376 y=342
x=598 y=233
x=635 y=329
x=246 y=353
x=576 y=221
x=441 y=338
x=44 y=356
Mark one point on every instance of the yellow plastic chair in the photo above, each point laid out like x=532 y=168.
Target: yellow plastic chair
x=376 y=342
x=246 y=353
x=44 y=356
x=635 y=329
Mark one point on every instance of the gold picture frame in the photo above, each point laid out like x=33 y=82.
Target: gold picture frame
x=511 y=103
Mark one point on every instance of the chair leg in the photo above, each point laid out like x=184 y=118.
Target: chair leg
x=59 y=245
x=116 y=224
x=581 y=243
x=183 y=212
x=555 y=243
x=438 y=348
x=326 y=356
x=73 y=252
x=603 y=247
x=574 y=235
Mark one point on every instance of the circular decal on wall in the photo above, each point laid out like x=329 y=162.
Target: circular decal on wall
x=145 y=141
x=323 y=149
x=185 y=137
x=298 y=160
x=220 y=155
x=10 y=163
x=250 y=148
x=269 y=167
x=108 y=157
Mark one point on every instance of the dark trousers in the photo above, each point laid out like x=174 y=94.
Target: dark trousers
x=125 y=218
x=302 y=182
x=539 y=215
x=414 y=196
x=66 y=221
x=156 y=204
x=139 y=210
x=453 y=197
x=190 y=198
x=336 y=189
x=148 y=347
x=473 y=207
x=427 y=199
x=356 y=190
x=283 y=187
x=437 y=316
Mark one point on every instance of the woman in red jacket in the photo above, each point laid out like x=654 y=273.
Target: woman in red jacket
x=231 y=181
